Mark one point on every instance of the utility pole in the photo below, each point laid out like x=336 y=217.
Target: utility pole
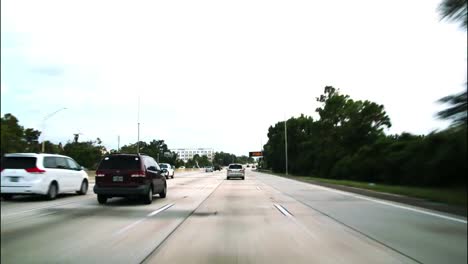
x=138 y=120
x=286 y=145
x=118 y=143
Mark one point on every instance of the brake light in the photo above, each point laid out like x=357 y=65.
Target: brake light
x=138 y=174
x=34 y=170
x=99 y=174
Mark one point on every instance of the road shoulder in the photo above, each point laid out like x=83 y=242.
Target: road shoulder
x=441 y=207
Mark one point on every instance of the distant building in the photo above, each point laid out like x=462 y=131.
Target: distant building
x=187 y=153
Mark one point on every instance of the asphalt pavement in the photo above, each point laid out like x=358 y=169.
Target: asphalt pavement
x=208 y=219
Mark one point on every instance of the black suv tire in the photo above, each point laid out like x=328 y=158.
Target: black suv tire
x=163 y=193
x=148 y=197
x=102 y=199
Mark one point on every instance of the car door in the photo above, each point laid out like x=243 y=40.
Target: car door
x=55 y=167
x=151 y=171
x=159 y=180
x=74 y=174
x=64 y=174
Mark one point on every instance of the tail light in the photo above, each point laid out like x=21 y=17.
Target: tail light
x=137 y=174
x=99 y=174
x=34 y=170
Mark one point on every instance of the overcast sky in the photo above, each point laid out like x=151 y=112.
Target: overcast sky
x=217 y=73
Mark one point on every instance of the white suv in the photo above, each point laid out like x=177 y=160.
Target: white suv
x=47 y=174
x=235 y=171
x=168 y=170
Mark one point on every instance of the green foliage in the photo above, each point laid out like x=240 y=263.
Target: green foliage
x=457 y=109
x=12 y=135
x=348 y=142
x=455 y=10
x=87 y=154
x=155 y=148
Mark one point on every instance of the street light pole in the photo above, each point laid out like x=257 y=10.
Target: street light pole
x=43 y=126
x=138 y=139
x=286 y=145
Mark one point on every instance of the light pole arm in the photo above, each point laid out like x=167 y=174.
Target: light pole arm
x=43 y=126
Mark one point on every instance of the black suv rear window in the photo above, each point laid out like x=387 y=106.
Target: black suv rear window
x=120 y=162
x=235 y=167
x=18 y=162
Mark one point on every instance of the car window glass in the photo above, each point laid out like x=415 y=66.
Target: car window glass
x=163 y=166
x=72 y=164
x=50 y=162
x=235 y=166
x=18 y=162
x=120 y=162
x=154 y=163
x=61 y=163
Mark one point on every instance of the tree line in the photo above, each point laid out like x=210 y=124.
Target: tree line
x=17 y=139
x=348 y=142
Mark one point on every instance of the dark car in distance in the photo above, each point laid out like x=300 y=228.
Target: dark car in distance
x=217 y=167
x=127 y=175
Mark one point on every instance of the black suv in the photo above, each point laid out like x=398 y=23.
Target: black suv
x=124 y=175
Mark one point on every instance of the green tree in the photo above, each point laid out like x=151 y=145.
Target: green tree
x=12 y=135
x=87 y=154
x=31 y=137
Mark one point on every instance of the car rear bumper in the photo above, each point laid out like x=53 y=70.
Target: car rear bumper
x=235 y=175
x=37 y=188
x=121 y=191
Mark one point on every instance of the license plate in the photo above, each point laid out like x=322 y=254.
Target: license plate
x=14 y=179
x=117 y=178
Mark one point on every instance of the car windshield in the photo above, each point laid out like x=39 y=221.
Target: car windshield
x=163 y=166
x=235 y=167
x=120 y=162
x=18 y=162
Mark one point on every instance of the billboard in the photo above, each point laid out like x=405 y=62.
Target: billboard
x=256 y=154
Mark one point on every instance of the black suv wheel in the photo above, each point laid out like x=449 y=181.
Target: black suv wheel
x=148 y=198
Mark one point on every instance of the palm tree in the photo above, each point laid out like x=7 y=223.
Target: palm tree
x=458 y=109
x=454 y=10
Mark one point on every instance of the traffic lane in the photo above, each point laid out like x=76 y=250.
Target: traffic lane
x=241 y=222
x=25 y=203
x=427 y=236
x=105 y=233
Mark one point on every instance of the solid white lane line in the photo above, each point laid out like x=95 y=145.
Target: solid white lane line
x=258 y=188
x=460 y=220
x=167 y=206
x=283 y=210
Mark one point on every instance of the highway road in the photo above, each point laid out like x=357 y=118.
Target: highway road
x=208 y=219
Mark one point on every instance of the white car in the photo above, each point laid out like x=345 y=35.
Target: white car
x=46 y=174
x=235 y=171
x=169 y=170
x=208 y=169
